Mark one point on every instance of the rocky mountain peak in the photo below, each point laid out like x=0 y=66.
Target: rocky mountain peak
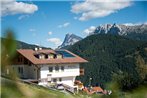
x=70 y=39
x=119 y=29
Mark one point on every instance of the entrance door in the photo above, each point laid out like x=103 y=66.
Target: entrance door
x=49 y=77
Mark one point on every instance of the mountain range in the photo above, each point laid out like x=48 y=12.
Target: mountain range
x=119 y=29
x=137 y=32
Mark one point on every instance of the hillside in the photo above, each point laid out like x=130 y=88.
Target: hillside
x=23 y=45
x=12 y=88
x=17 y=89
x=108 y=54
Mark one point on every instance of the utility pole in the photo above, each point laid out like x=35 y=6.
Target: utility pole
x=90 y=82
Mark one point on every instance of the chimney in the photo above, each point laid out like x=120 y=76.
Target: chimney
x=40 y=48
x=36 y=48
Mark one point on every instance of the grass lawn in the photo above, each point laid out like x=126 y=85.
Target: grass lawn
x=11 y=89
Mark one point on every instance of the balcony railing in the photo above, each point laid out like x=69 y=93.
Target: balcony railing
x=81 y=71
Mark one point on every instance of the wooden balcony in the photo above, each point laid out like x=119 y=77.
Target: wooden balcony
x=81 y=71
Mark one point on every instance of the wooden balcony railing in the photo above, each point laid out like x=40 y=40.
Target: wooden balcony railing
x=81 y=71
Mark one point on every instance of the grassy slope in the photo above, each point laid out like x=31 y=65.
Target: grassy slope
x=11 y=89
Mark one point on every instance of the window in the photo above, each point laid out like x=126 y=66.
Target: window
x=20 y=70
x=54 y=80
x=57 y=68
x=18 y=59
x=25 y=61
x=62 y=68
x=59 y=56
x=50 y=69
x=41 y=56
x=37 y=56
x=46 y=56
x=50 y=56
x=60 y=79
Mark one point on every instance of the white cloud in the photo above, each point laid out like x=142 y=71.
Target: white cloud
x=55 y=41
x=128 y=24
x=89 y=30
x=90 y=9
x=11 y=7
x=32 y=30
x=22 y=17
x=133 y=24
x=64 y=25
x=49 y=33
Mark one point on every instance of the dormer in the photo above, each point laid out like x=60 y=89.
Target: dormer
x=59 y=56
x=47 y=54
x=50 y=56
x=41 y=56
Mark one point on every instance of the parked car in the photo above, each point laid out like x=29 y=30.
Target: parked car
x=59 y=87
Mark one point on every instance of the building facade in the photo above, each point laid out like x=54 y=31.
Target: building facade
x=48 y=66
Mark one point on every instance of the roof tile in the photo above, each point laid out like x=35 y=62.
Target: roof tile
x=29 y=54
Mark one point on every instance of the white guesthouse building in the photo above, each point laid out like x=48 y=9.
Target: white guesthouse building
x=46 y=66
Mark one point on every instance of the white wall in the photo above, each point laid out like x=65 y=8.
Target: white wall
x=68 y=80
x=69 y=70
x=68 y=75
x=65 y=80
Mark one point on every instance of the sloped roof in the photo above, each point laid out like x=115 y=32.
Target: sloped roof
x=29 y=54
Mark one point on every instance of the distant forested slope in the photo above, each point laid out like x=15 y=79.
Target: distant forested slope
x=23 y=45
x=109 y=54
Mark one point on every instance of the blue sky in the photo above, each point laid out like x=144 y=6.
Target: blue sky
x=47 y=22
